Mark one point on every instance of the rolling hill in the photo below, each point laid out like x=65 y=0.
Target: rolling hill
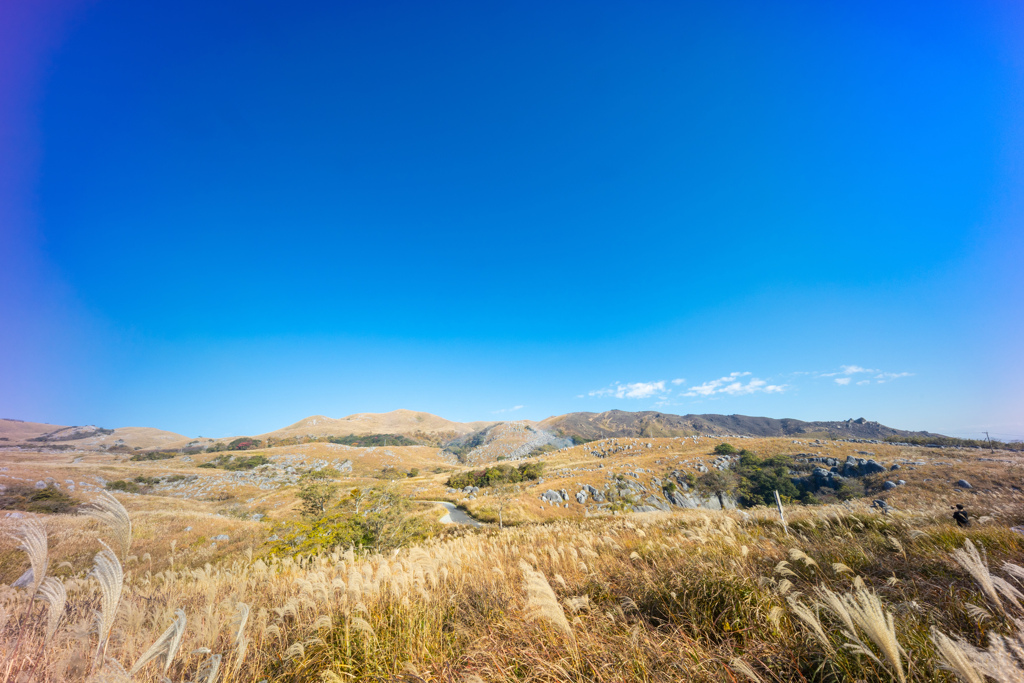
x=405 y=422
x=619 y=423
x=436 y=431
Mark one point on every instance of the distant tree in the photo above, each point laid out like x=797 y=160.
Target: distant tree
x=504 y=495
x=316 y=496
x=725 y=449
x=718 y=483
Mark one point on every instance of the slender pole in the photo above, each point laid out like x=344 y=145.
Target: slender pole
x=778 y=501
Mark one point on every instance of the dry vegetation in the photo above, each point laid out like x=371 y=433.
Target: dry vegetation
x=850 y=594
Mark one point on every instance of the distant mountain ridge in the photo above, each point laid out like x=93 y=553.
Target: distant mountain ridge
x=620 y=423
x=428 y=428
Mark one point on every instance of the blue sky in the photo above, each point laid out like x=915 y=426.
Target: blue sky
x=219 y=218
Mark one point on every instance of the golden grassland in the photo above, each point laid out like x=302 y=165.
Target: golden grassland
x=847 y=594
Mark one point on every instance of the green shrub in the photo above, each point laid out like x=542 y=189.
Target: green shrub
x=500 y=474
x=123 y=485
x=761 y=478
x=315 y=497
x=390 y=473
x=234 y=463
x=50 y=500
x=718 y=482
x=850 y=488
x=371 y=440
x=153 y=455
x=725 y=449
x=244 y=443
x=329 y=472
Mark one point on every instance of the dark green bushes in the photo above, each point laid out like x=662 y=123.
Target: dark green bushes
x=234 y=463
x=244 y=443
x=50 y=500
x=760 y=478
x=501 y=474
x=725 y=449
x=153 y=455
x=368 y=440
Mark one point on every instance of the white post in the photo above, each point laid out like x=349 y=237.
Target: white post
x=778 y=501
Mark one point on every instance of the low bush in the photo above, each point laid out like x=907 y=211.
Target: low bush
x=501 y=474
x=235 y=463
x=760 y=478
x=244 y=443
x=50 y=500
x=153 y=455
x=371 y=440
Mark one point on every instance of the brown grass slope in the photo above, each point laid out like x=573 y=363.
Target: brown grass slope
x=17 y=431
x=405 y=422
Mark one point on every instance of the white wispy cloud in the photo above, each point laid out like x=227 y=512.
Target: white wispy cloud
x=507 y=410
x=632 y=390
x=679 y=381
x=884 y=377
x=733 y=385
x=846 y=373
x=848 y=370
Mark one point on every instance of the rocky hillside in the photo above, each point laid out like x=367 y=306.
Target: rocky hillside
x=488 y=439
x=87 y=437
x=651 y=424
x=504 y=440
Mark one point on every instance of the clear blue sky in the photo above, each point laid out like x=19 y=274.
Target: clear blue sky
x=218 y=218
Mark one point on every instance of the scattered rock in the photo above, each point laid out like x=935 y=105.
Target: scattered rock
x=963 y=483
x=889 y=485
x=221 y=537
x=551 y=496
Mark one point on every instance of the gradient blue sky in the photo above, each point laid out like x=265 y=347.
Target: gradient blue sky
x=218 y=218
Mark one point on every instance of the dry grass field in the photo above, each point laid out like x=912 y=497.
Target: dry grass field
x=182 y=581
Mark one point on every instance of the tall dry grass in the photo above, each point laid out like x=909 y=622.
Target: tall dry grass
x=695 y=596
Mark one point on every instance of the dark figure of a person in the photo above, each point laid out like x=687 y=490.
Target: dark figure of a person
x=961 y=516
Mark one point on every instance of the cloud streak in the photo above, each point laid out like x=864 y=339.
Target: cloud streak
x=507 y=410
x=847 y=372
x=734 y=385
x=632 y=390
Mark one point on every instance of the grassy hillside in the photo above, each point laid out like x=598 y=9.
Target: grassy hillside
x=572 y=592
